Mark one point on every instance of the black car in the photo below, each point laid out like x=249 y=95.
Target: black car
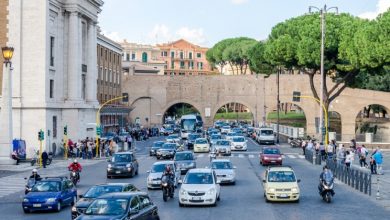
x=156 y=145
x=185 y=160
x=191 y=140
x=122 y=164
x=167 y=151
x=95 y=191
x=129 y=205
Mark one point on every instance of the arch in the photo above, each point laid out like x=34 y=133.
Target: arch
x=373 y=118
x=335 y=124
x=185 y=101
x=290 y=114
x=144 y=57
x=243 y=103
x=147 y=109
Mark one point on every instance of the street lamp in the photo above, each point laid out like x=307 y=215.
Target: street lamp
x=323 y=11
x=6 y=135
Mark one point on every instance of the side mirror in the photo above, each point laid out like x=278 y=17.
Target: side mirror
x=180 y=181
x=218 y=181
x=299 y=180
x=81 y=196
x=264 y=181
x=148 y=171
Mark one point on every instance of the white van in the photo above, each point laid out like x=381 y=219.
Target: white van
x=265 y=136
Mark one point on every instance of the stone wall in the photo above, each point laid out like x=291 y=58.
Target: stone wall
x=3 y=33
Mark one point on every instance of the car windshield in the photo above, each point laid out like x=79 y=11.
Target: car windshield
x=198 y=178
x=158 y=144
x=226 y=127
x=159 y=168
x=221 y=165
x=168 y=146
x=46 y=186
x=201 y=141
x=231 y=134
x=173 y=136
x=266 y=132
x=238 y=139
x=119 y=158
x=193 y=136
x=108 y=207
x=97 y=191
x=271 y=151
x=223 y=143
x=213 y=137
x=184 y=156
x=281 y=176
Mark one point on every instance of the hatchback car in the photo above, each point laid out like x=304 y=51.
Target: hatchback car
x=222 y=147
x=122 y=164
x=156 y=145
x=199 y=187
x=280 y=184
x=214 y=138
x=225 y=129
x=153 y=180
x=224 y=170
x=239 y=143
x=128 y=205
x=167 y=151
x=191 y=140
x=185 y=160
x=95 y=191
x=50 y=194
x=270 y=155
x=229 y=136
x=201 y=145
x=173 y=138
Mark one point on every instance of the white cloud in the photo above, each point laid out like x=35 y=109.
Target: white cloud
x=115 y=36
x=238 y=2
x=381 y=6
x=195 y=35
x=162 y=34
x=160 y=31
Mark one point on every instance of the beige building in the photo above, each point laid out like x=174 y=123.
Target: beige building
x=3 y=33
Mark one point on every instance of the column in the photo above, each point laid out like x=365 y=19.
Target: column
x=74 y=64
x=92 y=72
x=6 y=118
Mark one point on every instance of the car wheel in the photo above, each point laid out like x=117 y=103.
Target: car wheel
x=26 y=210
x=150 y=154
x=297 y=201
x=234 y=183
x=58 y=208
x=74 y=201
x=181 y=204
x=219 y=198
x=215 y=203
x=108 y=177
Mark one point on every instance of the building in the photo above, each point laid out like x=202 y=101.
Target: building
x=54 y=69
x=3 y=34
x=184 y=58
x=144 y=59
x=109 y=64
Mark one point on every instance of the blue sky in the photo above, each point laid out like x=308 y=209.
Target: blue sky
x=205 y=22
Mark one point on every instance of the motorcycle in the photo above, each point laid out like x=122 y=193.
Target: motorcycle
x=167 y=188
x=326 y=190
x=29 y=185
x=74 y=177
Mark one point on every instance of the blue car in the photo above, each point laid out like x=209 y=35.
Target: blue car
x=50 y=194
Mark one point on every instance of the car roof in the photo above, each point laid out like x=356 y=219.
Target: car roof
x=280 y=168
x=158 y=142
x=201 y=139
x=200 y=170
x=163 y=162
x=220 y=160
x=122 y=195
x=184 y=152
x=264 y=148
x=55 y=178
x=113 y=184
x=124 y=153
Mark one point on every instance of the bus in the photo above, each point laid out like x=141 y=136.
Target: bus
x=189 y=124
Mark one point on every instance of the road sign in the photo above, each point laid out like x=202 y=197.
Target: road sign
x=296 y=96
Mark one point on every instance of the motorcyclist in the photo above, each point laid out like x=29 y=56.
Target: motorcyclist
x=35 y=175
x=76 y=167
x=171 y=176
x=326 y=174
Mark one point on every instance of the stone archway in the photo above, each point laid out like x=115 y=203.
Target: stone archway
x=189 y=102
x=290 y=114
x=335 y=124
x=375 y=119
x=147 y=110
x=234 y=111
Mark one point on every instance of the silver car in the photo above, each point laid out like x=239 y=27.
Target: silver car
x=224 y=170
x=222 y=147
x=154 y=178
x=185 y=160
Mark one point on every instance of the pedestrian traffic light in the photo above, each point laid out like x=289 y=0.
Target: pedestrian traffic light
x=66 y=130
x=98 y=130
x=41 y=135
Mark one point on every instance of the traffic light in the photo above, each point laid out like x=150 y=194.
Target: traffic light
x=98 y=130
x=125 y=97
x=296 y=96
x=66 y=130
x=41 y=135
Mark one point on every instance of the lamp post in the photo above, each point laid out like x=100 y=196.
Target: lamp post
x=6 y=135
x=278 y=106
x=323 y=11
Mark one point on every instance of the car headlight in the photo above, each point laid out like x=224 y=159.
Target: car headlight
x=191 y=164
x=231 y=175
x=109 y=166
x=183 y=191
x=164 y=184
x=51 y=200
x=25 y=200
x=279 y=158
x=294 y=189
x=74 y=209
x=128 y=165
x=211 y=191
x=266 y=158
x=271 y=190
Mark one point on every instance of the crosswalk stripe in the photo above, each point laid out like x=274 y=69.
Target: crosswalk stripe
x=301 y=156
x=251 y=156
x=201 y=155
x=291 y=156
x=241 y=155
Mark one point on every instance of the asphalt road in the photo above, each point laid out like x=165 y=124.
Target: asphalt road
x=241 y=201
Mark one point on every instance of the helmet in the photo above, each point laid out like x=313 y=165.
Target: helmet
x=34 y=171
x=168 y=168
x=75 y=161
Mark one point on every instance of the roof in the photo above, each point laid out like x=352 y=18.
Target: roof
x=280 y=168
x=124 y=153
x=113 y=184
x=221 y=160
x=200 y=170
x=184 y=152
x=121 y=195
x=182 y=41
x=164 y=162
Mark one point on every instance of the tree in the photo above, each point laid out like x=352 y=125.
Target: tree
x=257 y=62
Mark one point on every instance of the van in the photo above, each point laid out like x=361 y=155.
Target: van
x=265 y=136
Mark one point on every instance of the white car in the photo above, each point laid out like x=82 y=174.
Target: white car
x=265 y=136
x=153 y=180
x=173 y=138
x=201 y=145
x=200 y=187
x=225 y=129
x=224 y=170
x=229 y=136
x=239 y=143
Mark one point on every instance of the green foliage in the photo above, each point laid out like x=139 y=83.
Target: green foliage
x=234 y=116
x=289 y=115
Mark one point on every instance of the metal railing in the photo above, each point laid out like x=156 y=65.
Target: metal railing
x=355 y=178
x=312 y=157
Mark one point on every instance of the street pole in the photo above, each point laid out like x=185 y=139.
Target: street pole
x=278 y=105
x=40 y=151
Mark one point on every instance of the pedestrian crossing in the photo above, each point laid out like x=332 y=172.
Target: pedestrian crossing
x=251 y=156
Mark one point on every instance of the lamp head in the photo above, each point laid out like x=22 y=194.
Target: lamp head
x=7 y=53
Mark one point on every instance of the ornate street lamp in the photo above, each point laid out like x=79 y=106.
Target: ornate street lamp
x=8 y=52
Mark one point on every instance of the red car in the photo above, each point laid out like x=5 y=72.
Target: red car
x=270 y=155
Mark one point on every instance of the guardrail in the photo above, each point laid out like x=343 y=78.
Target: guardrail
x=288 y=131
x=312 y=157
x=355 y=178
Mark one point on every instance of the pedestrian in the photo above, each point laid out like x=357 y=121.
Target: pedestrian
x=373 y=165
x=15 y=157
x=348 y=160
x=310 y=145
x=322 y=150
x=44 y=156
x=329 y=151
x=353 y=144
x=341 y=154
x=363 y=155
x=378 y=157
x=89 y=146
x=129 y=140
x=78 y=148
x=303 y=145
x=317 y=148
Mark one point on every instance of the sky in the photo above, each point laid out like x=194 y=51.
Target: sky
x=205 y=22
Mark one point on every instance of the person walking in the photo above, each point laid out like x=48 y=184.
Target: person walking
x=362 y=156
x=373 y=165
x=45 y=156
x=129 y=140
x=322 y=150
x=341 y=154
x=329 y=151
x=303 y=145
x=348 y=160
x=378 y=157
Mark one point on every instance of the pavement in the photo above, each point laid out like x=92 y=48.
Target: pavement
x=241 y=201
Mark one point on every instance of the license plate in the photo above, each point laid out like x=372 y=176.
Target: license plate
x=283 y=195
x=156 y=182
x=37 y=205
x=272 y=161
x=196 y=198
x=117 y=172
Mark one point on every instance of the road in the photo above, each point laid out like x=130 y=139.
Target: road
x=241 y=201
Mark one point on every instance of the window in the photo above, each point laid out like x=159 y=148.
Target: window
x=134 y=204
x=51 y=91
x=109 y=76
x=101 y=97
x=172 y=54
x=198 y=55
x=127 y=57
x=190 y=55
x=83 y=86
x=133 y=56
x=191 y=65
x=110 y=57
x=51 y=51
x=105 y=51
x=145 y=201
x=54 y=126
x=101 y=52
x=144 y=57
x=164 y=53
x=105 y=97
x=182 y=65
x=200 y=65
x=172 y=65
x=181 y=55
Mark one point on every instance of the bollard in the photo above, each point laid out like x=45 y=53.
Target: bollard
x=378 y=195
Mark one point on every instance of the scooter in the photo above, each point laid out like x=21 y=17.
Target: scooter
x=167 y=188
x=74 y=177
x=326 y=190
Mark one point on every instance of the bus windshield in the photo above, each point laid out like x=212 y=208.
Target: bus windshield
x=188 y=124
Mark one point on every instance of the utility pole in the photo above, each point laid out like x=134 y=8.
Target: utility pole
x=278 y=105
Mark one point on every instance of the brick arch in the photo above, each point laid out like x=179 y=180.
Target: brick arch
x=187 y=101
x=144 y=97
x=243 y=102
x=361 y=107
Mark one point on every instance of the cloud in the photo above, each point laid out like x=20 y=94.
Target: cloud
x=115 y=36
x=381 y=6
x=162 y=33
x=238 y=2
x=195 y=35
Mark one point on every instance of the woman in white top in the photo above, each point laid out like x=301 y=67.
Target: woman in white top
x=348 y=159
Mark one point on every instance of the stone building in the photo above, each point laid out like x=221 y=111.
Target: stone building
x=3 y=33
x=54 y=69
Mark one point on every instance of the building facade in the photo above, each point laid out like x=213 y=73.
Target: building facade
x=109 y=57
x=184 y=58
x=54 y=69
x=3 y=34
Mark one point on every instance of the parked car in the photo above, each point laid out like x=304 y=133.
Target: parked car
x=224 y=170
x=122 y=164
x=153 y=180
x=280 y=184
x=50 y=194
x=185 y=160
x=191 y=140
x=201 y=145
x=222 y=147
x=270 y=155
x=155 y=146
x=167 y=151
x=128 y=205
x=95 y=191
x=239 y=143
x=199 y=187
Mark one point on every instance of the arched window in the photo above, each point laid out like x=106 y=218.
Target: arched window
x=144 y=57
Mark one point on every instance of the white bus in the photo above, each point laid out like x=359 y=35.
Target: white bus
x=188 y=124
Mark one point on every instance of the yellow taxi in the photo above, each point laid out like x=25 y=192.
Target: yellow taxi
x=280 y=184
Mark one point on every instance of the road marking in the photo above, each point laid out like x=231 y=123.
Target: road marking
x=301 y=156
x=291 y=156
x=251 y=156
x=241 y=155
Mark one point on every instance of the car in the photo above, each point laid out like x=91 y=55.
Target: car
x=224 y=170
x=201 y=145
x=167 y=151
x=270 y=155
x=280 y=184
x=156 y=145
x=225 y=129
x=265 y=136
x=173 y=138
x=191 y=139
x=168 y=131
x=229 y=136
x=51 y=193
x=200 y=187
x=239 y=143
x=122 y=164
x=95 y=191
x=238 y=131
x=123 y=205
x=214 y=138
x=222 y=147
x=249 y=131
x=153 y=180
x=185 y=160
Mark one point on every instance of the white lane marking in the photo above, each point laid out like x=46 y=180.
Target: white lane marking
x=251 y=156
x=200 y=155
x=241 y=155
x=291 y=156
x=301 y=156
